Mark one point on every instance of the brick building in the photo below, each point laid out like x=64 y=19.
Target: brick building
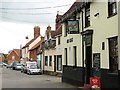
x=13 y=56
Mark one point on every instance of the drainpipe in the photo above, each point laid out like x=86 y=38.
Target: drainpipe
x=83 y=49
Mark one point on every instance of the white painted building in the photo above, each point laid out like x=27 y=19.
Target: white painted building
x=90 y=43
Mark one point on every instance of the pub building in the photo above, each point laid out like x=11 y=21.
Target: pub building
x=90 y=40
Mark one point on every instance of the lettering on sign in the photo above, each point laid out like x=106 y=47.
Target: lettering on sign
x=69 y=40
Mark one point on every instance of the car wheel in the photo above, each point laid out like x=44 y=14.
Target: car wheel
x=39 y=73
x=13 y=68
x=28 y=72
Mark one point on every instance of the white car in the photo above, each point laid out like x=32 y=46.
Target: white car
x=33 y=69
x=17 y=66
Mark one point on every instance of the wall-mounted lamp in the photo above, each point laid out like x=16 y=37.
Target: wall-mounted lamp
x=97 y=14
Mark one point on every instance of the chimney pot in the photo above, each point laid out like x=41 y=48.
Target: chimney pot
x=48 y=28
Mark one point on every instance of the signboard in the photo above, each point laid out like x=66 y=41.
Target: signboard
x=73 y=27
x=95 y=82
x=88 y=40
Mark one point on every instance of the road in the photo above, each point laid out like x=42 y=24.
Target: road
x=16 y=79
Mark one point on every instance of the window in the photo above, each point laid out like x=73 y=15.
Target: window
x=50 y=60
x=59 y=62
x=13 y=57
x=58 y=40
x=87 y=14
x=113 y=55
x=75 y=56
x=66 y=56
x=46 y=60
x=103 y=45
x=112 y=7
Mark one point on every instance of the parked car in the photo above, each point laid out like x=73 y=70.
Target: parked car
x=33 y=69
x=9 y=65
x=16 y=66
x=5 y=64
x=26 y=65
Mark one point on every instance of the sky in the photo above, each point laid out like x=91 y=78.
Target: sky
x=18 y=18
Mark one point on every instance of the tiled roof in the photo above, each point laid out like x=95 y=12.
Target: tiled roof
x=59 y=30
x=36 y=45
x=75 y=7
x=17 y=51
x=28 y=43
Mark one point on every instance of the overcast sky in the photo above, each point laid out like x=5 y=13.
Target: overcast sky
x=18 y=18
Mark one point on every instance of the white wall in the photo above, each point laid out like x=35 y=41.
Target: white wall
x=103 y=28
x=50 y=52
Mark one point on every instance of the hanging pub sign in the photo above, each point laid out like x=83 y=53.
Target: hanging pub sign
x=73 y=26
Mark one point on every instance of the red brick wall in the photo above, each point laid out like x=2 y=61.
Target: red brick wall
x=16 y=57
x=36 y=31
x=33 y=55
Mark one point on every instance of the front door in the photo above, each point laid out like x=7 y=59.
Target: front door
x=87 y=46
x=88 y=64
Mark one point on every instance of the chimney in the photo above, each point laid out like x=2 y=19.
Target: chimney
x=36 y=31
x=48 y=31
x=48 y=28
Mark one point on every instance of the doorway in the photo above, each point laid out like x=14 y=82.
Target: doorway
x=88 y=64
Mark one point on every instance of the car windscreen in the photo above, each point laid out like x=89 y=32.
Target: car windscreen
x=33 y=67
x=18 y=64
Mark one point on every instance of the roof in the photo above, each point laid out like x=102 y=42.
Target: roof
x=17 y=51
x=36 y=45
x=59 y=30
x=28 y=43
x=53 y=33
x=77 y=5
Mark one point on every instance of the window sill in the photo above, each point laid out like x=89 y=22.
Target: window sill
x=112 y=15
x=59 y=70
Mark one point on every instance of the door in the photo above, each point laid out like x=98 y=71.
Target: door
x=88 y=64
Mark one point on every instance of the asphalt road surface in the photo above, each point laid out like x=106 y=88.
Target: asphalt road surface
x=16 y=79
